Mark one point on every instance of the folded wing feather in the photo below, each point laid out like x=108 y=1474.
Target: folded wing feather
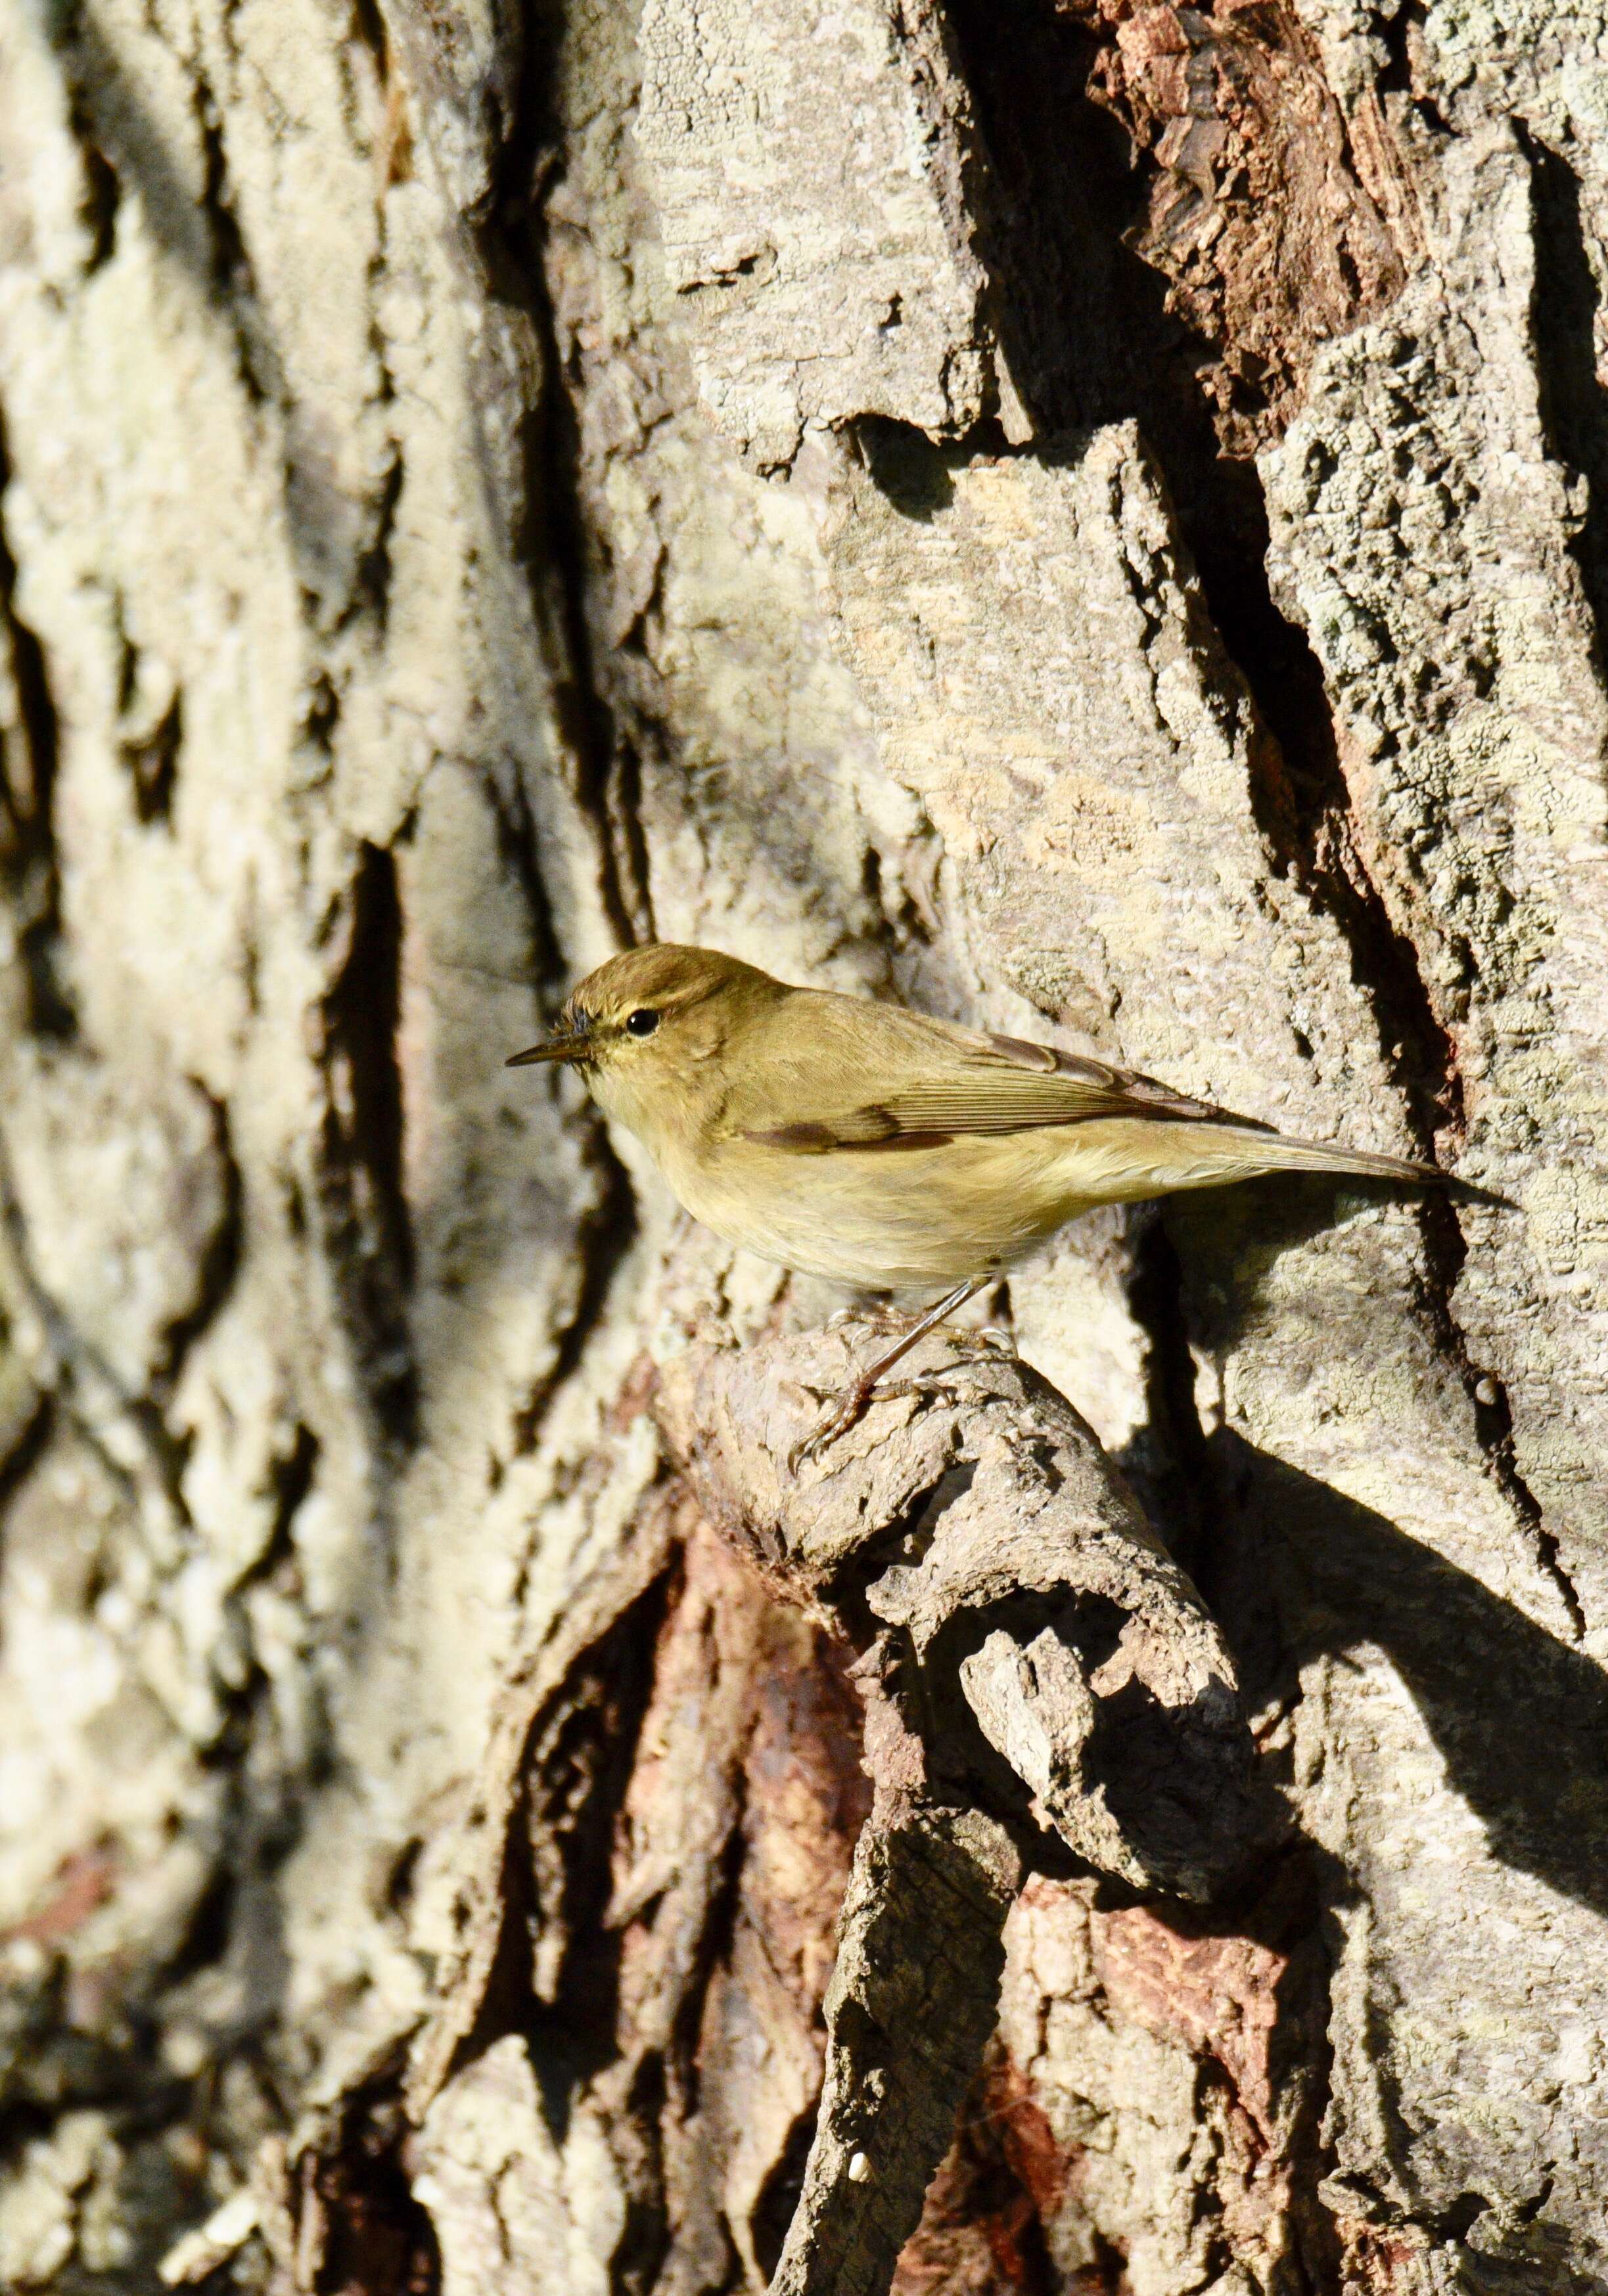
x=944 y=1082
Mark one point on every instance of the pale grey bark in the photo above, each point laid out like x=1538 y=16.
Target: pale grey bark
x=482 y=486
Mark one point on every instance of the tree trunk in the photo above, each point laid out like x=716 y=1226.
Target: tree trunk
x=1085 y=515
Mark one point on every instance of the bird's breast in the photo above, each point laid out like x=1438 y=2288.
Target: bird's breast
x=891 y=1218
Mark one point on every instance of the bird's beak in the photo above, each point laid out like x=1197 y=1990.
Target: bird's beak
x=556 y=1048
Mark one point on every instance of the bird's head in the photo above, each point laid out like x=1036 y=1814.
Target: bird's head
x=647 y=1029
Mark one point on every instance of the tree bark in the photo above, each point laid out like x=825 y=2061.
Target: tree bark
x=1090 y=517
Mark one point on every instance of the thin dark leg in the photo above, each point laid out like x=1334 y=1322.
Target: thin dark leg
x=854 y=1398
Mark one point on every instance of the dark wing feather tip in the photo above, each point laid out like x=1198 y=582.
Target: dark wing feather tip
x=803 y=1139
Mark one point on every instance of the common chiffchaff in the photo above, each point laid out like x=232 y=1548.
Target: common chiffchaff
x=880 y=1148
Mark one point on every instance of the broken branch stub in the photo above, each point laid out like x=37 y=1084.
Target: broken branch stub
x=1055 y=1665
x=914 y=1996
x=1032 y=1661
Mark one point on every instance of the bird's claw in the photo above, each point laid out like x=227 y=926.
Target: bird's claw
x=851 y=1408
x=846 y=1412
x=873 y=1315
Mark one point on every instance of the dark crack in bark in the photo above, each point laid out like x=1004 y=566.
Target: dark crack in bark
x=1564 y=310
x=219 y=1262
x=1401 y=37
x=581 y=1752
x=518 y=842
x=1446 y=1250
x=554 y=543
x=368 y=1220
x=152 y=765
x=29 y=753
x=102 y=187
x=369 y=2236
x=372 y=588
x=1303 y=809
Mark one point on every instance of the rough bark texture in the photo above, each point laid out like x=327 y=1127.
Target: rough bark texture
x=1092 y=517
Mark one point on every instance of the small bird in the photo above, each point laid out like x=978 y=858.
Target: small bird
x=880 y=1148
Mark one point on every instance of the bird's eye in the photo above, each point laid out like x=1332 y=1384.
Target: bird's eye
x=642 y=1023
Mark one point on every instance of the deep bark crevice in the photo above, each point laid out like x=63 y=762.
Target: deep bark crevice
x=26 y=1448
x=645 y=2238
x=780 y=2194
x=1401 y=37
x=376 y=2238
x=1303 y=809
x=220 y=1261
x=506 y=2002
x=365 y=1197
x=554 y=543
x=293 y=1474
x=153 y=764
x=563 y=1980
x=28 y=836
x=1574 y=402
x=102 y=185
x=372 y=588
x=230 y=276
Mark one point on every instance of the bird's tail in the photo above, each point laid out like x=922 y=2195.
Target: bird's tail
x=1276 y=1152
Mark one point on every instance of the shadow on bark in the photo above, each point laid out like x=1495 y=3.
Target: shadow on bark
x=1520 y=1718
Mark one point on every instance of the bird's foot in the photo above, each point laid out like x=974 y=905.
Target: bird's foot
x=850 y=1408
x=875 y=1315
x=853 y=1400
x=847 y=1412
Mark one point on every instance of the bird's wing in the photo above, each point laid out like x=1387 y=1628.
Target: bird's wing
x=932 y=1083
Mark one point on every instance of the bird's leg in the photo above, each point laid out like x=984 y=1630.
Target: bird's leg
x=854 y=1398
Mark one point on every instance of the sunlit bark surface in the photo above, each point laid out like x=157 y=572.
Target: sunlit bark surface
x=1090 y=516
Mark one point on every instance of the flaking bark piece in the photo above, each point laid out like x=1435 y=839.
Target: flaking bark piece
x=975 y=1514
